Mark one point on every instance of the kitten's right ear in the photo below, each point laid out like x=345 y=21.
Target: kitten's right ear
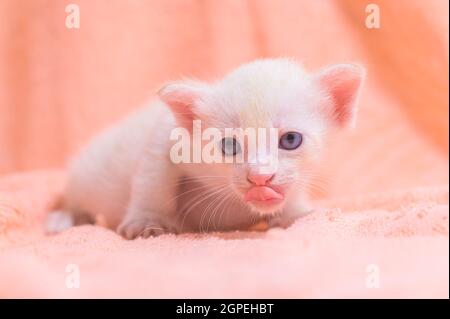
x=181 y=98
x=342 y=83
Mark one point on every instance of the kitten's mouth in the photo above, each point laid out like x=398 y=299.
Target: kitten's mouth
x=264 y=195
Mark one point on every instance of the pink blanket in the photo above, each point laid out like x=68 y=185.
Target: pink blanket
x=392 y=244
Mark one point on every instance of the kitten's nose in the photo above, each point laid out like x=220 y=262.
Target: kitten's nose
x=260 y=179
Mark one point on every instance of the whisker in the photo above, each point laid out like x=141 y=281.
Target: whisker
x=187 y=192
x=199 y=200
x=205 y=212
x=210 y=205
x=218 y=206
x=236 y=200
x=231 y=203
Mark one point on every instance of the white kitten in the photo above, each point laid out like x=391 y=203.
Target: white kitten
x=127 y=177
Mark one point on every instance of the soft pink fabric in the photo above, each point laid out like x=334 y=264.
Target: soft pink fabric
x=327 y=254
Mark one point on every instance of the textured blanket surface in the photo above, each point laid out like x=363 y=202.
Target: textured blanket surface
x=392 y=244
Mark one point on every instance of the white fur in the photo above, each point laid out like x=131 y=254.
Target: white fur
x=125 y=175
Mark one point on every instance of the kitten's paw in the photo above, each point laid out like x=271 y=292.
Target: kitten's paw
x=286 y=219
x=144 y=228
x=282 y=221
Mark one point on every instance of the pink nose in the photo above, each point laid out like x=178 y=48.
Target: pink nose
x=259 y=179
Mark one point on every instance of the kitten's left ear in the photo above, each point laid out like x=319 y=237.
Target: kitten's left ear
x=182 y=98
x=342 y=83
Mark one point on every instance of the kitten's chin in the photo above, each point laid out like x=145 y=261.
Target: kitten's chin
x=267 y=207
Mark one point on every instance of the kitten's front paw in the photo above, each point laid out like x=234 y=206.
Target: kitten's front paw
x=144 y=228
x=282 y=221
x=286 y=219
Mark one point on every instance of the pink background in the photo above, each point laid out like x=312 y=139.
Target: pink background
x=59 y=86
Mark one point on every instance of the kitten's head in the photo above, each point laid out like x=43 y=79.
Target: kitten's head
x=260 y=96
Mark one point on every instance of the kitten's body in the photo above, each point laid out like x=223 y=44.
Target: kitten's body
x=101 y=178
x=127 y=177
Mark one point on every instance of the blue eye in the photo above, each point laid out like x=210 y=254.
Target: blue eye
x=230 y=146
x=290 y=140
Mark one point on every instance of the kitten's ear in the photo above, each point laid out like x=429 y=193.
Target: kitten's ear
x=182 y=97
x=342 y=83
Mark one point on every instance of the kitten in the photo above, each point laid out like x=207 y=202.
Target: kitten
x=127 y=176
